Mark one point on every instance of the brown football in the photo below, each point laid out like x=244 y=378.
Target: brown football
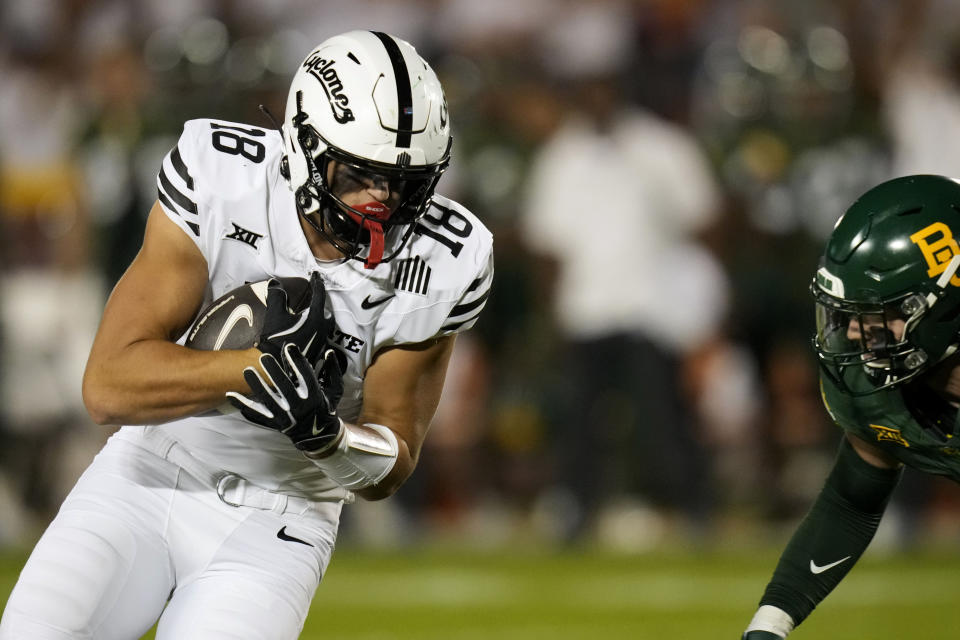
x=234 y=320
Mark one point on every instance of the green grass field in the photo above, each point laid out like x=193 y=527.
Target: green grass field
x=460 y=595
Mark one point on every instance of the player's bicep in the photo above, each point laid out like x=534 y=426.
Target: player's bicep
x=402 y=389
x=160 y=292
x=872 y=455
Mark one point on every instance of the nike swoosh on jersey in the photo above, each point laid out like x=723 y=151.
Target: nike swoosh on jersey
x=370 y=304
x=282 y=534
x=241 y=312
x=815 y=569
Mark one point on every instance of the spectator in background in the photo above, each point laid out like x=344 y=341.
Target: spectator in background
x=111 y=142
x=615 y=199
x=918 y=69
x=783 y=106
x=44 y=271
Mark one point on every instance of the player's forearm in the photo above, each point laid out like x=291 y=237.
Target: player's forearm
x=402 y=469
x=832 y=537
x=155 y=381
x=409 y=433
x=368 y=459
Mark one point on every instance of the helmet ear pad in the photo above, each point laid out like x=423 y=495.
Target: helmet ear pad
x=938 y=331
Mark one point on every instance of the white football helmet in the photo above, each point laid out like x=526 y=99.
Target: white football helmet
x=366 y=100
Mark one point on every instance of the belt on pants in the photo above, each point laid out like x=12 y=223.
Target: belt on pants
x=233 y=489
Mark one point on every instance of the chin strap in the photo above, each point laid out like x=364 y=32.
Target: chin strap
x=945 y=278
x=373 y=214
x=942 y=283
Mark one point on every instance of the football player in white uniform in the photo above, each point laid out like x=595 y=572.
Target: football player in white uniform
x=220 y=524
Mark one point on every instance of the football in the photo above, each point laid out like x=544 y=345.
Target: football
x=234 y=320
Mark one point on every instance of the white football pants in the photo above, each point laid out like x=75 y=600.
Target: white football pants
x=138 y=532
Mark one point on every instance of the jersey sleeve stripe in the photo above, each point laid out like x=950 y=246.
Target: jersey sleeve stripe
x=475 y=284
x=457 y=325
x=467 y=307
x=181 y=167
x=185 y=203
x=166 y=203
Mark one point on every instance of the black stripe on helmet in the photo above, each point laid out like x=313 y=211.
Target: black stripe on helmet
x=404 y=92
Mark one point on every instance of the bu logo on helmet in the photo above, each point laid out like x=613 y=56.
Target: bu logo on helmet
x=323 y=71
x=938 y=246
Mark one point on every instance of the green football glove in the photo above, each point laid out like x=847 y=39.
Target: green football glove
x=761 y=635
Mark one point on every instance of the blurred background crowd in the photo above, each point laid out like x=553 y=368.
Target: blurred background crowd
x=659 y=176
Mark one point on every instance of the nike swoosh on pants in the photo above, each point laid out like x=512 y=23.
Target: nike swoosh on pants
x=282 y=534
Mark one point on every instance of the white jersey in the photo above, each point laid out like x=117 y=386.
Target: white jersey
x=222 y=185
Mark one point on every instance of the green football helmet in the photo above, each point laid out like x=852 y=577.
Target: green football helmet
x=887 y=292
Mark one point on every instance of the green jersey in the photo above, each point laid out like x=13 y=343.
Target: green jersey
x=911 y=422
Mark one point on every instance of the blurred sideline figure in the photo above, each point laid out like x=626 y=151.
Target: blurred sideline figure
x=222 y=525
x=117 y=142
x=44 y=271
x=888 y=327
x=614 y=200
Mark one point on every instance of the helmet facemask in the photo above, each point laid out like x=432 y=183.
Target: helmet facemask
x=879 y=338
x=373 y=231
x=873 y=339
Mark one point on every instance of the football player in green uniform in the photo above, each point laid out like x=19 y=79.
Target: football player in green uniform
x=888 y=327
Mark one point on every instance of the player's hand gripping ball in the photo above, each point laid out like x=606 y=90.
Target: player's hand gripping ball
x=295 y=400
x=267 y=315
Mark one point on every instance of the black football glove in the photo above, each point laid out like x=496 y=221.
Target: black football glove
x=308 y=329
x=330 y=377
x=296 y=403
x=761 y=635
